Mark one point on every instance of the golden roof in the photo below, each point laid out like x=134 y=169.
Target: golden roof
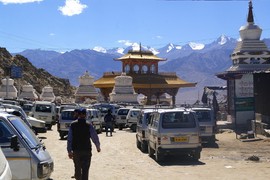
x=141 y=55
x=161 y=80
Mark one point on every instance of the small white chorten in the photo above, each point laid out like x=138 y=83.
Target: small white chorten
x=123 y=90
x=28 y=92
x=47 y=94
x=86 y=90
x=7 y=89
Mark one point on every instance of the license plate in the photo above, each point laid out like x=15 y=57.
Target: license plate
x=181 y=139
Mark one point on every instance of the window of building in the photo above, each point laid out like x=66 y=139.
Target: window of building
x=127 y=68
x=136 y=68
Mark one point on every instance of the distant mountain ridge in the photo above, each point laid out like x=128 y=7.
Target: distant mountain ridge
x=193 y=62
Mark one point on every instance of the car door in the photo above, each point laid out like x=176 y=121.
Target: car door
x=19 y=160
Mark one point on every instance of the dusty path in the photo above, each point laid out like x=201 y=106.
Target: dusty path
x=120 y=159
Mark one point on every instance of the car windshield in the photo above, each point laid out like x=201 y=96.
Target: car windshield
x=123 y=111
x=203 y=116
x=68 y=115
x=178 y=120
x=26 y=133
x=43 y=108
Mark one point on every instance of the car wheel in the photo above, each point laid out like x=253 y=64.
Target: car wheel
x=144 y=146
x=158 y=156
x=138 y=143
x=196 y=155
x=150 y=151
x=49 y=126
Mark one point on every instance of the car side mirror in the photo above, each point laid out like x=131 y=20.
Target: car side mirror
x=14 y=144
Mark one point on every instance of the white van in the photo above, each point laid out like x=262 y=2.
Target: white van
x=132 y=118
x=174 y=131
x=5 y=172
x=207 y=123
x=26 y=154
x=44 y=110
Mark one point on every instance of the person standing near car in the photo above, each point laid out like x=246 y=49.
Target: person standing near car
x=79 y=144
x=109 y=119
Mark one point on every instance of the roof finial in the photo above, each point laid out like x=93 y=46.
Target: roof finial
x=250 y=18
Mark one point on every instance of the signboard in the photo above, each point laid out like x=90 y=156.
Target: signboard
x=244 y=104
x=16 y=72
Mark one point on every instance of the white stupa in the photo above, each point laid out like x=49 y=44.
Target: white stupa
x=28 y=92
x=7 y=89
x=86 y=91
x=123 y=90
x=47 y=94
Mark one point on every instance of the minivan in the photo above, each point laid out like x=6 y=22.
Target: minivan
x=65 y=119
x=207 y=123
x=121 y=117
x=26 y=154
x=174 y=132
x=132 y=117
x=45 y=111
x=142 y=133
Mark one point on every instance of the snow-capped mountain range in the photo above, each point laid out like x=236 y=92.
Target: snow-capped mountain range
x=193 y=62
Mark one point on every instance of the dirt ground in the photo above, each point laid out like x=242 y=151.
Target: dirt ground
x=120 y=159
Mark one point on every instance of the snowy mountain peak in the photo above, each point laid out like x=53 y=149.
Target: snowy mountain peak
x=100 y=49
x=196 y=46
x=223 y=39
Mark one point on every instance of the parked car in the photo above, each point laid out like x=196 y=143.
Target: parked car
x=142 y=133
x=27 y=108
x=174 y=131
x=37 y=125
x=121 y=117
x=65 y=119
x=132 y=118
x=104 y=107
x=207 y=123
x=5 y=172
x=94 y=117
x=45 y=111
x=26 y=154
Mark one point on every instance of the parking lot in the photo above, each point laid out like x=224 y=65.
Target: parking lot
x=120 y=159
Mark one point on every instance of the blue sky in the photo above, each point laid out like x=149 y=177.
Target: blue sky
x=64 y=25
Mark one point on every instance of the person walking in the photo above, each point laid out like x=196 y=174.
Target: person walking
x=79 y=144
x=109 y=119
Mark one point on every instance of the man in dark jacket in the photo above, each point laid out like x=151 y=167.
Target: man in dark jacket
x=108 y=119
x=79 y=144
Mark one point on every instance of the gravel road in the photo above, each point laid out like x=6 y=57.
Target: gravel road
x=120 y=159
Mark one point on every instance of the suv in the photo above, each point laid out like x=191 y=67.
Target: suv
x=207 y=123
x=142 y=133
x=121 y=117
x=174 y=131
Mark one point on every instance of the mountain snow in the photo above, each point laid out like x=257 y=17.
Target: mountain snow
x=196 y=46
x=100 y=49
x=223 y=39
x=120 y=50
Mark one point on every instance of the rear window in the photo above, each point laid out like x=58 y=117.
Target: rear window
x=203 y=116
x=43 y=108
x=178 y=120
x=68 y=115
x=123 y=111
